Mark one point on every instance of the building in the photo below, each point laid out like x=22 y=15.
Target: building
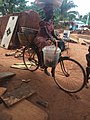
x=76 y=25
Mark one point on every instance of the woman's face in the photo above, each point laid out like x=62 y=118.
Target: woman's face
x=48 y=9
x=49 y=14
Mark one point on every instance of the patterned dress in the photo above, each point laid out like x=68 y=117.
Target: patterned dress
x=43 y=37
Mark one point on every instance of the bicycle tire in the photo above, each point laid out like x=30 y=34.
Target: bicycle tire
x=71 y=78
x=30 y=58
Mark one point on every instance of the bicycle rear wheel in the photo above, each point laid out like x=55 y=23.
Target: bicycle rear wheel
x=30 y=58
x=69 y=75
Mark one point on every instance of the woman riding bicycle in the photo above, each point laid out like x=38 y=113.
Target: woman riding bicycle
x=46 y=34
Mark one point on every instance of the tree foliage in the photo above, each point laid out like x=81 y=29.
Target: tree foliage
x=38 y=9
x=11 y=6
x=63 y=12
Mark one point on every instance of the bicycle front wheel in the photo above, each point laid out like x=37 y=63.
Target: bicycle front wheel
x=30 y=58
x=69 y=75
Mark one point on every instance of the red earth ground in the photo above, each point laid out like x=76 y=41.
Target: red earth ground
x=61 y=105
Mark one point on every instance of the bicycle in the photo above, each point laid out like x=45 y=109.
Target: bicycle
x=68 y=74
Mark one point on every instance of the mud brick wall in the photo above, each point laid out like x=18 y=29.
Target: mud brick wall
x=28 y=19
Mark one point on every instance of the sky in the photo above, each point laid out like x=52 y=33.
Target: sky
x=83 y=6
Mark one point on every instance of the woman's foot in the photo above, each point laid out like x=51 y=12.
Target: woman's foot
x=52 y=71
x=46 y=72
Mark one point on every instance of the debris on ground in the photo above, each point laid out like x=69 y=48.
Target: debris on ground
x=4 y=75
x=2 y=90
x=26 y=81
x=16 y=95
x=42 y=103
x=21 y=66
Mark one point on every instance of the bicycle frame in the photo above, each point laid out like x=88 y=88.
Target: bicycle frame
x=62 y=62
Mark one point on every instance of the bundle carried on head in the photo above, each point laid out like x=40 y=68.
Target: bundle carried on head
x=55 y=3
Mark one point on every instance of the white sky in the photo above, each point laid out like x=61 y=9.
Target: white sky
x=83 y=6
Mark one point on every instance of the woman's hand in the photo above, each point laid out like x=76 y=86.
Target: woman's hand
x=60 y=39
x=49 y=42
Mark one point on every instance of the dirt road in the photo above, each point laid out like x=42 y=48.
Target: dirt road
x=61 y=106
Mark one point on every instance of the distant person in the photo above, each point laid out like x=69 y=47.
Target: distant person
x=88 y=63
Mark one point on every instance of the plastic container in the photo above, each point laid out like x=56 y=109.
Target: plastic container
x=51 y=55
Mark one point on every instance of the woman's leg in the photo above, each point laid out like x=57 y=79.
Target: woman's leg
x=46 y=71
x=43 y=66
x=41 y=42
x=41 y=60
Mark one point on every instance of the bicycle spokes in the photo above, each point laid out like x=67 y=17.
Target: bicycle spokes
x=64 y=69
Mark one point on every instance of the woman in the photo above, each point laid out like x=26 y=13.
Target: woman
x=46 y=33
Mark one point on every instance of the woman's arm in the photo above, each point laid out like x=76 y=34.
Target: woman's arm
x=48 y=34
x=53 y=34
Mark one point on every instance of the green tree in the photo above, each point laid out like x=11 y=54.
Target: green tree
x=11 y=6
x=37 y=8
x=65 y=10
x=61 y=13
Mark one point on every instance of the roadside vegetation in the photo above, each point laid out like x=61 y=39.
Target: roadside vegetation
x=62 y=13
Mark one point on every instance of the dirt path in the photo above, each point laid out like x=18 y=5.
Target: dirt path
x=61 y=106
